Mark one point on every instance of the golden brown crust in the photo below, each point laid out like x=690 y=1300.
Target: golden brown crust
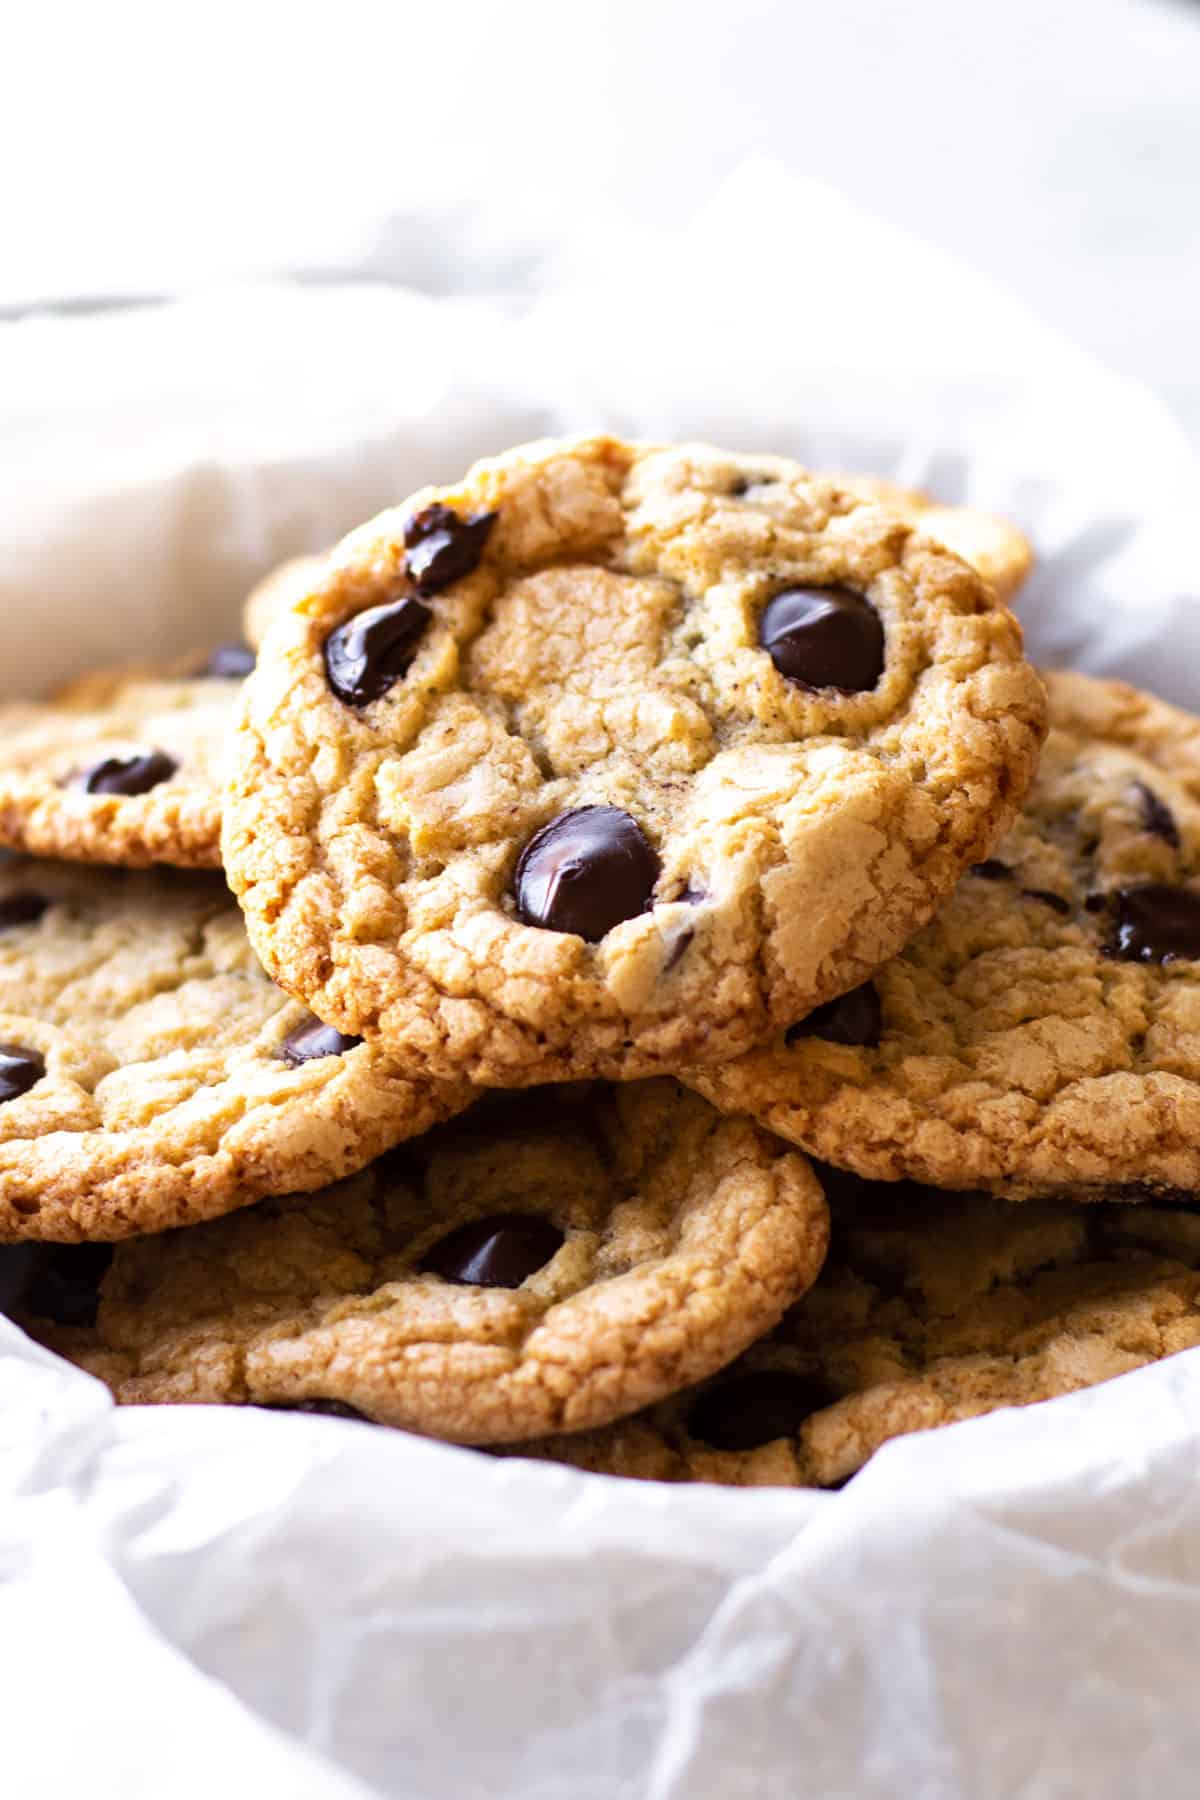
x=803 y=835
x=1017 y=1052
x=685 y=1236
x=932 y=1308
x=995 y=547
x=165 y=1099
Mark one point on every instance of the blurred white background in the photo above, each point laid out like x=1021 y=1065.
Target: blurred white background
x=1053 y=144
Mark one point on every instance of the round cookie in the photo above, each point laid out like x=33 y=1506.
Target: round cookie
x=995 y=547
x=151 y=1075
x=932 y=1308
x=616 y=757
x=535 y=1266
x=125 y=766
x=1043 y=1034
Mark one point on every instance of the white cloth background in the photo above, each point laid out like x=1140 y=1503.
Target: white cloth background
x=202 y=1599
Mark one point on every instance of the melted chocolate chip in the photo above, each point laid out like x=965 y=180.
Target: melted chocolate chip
x=333 y=1409
x=19 y=1267
x=1095 y=903
x=442 y=547
x=502 y=1251
x=370 y=653
x=20 y=1069
x=66 y=1287
x=1155 y=924
x=990 y=870
x=228 y=662
x=823 y=638
x=853 y=1018
x=22 y=909
x=135 y=774
x=585 y=872
x=1054 y=901
x=756 y=1408
x=1156 y=817
x=311 y=1041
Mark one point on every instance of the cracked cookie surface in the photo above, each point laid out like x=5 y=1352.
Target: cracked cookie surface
x=616 y=757
x=995 y=547
x=932 y=1308
x=543 y=1264
x=125 y=766
x=151 y=1075
x=1043 y=1034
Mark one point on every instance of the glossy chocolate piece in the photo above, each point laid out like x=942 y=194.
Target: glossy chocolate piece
x=823 y=638
x=371 y=652
x=585 y=872
x=501 y=1251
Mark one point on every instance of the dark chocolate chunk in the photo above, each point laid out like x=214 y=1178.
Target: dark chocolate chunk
x=127 y=775
x=501 y=1251
x=442 y=547
x=756 y=1408
x=20 y=1069
x=22 y=909
x=228 y=662
x=585 y=872
x=311 y=1041
x=853 y=1018
x=990 y=870
x=373 y=651
x=1055 y=901
x=66 y=1286
x=1155 y=924
x=1095 y=903
x=823 y=638
x=1156 y=817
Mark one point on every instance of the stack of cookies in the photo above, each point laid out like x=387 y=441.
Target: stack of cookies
x=609 y=836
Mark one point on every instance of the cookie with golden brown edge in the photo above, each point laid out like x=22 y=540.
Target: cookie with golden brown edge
x=932 y=1308
x=1043 y=1034
x=995 y=547
x=616 y=757
x=540 y=1265
x=150 y=1073
x=123 y=766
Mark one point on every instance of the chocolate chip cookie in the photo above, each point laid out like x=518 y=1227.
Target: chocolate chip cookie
x=1043 y=1034
x=150 y=1073
x=616 y=757
x=123 y=767
x=932 y=1308
x=542 y=1264
x=995 y=547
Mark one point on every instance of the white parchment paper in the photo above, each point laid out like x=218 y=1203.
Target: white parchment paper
x=197 y=1600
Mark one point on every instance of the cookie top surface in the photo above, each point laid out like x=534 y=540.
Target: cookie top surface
x=1043 y=1034
x=995 y=547
x=548 y=776
x=537 y=1265
x=124 y=766
x=151 y=1074
x=932 y=1308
